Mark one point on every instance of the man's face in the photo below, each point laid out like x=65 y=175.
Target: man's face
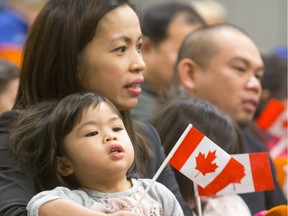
x=231 y=81
x=162 y=57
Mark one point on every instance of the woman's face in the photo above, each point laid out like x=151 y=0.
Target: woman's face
x=112 y=63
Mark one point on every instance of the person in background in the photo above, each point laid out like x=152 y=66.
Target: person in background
x=217 y=126
x=16 y=17
x=211 y=11
x=274 y=81
x=274 y=84
x=164 y=27
x=9 y=82
x=60 y=58
x=221 y=64
x=82 y=152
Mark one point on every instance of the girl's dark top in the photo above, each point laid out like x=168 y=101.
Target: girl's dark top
x=17 y=188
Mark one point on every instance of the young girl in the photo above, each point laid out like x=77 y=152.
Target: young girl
x=81 y=145
x=218 y=127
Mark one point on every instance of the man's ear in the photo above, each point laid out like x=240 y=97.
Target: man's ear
x=64 y=166
x=186 y=71
x=147 y=45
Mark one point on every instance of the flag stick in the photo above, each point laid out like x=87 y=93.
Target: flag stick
x=197 y=197
x=165 y=162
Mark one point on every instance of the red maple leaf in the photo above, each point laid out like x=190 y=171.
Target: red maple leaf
x=205 y=165
x=238 y=176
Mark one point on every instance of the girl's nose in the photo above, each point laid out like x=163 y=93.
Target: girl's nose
x=109 y=138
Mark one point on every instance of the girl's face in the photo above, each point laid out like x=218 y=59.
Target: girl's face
x=98 y=149
x=112 y=64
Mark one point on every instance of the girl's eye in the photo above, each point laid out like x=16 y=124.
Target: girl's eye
x=117 y=129
x=93 y=133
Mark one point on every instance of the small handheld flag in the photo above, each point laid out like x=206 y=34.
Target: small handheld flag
x=258 y=176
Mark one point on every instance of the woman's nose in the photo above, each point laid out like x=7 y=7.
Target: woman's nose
x=137 y=63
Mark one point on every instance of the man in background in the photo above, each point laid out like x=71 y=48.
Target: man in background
x=222 y=65
x=164 y=27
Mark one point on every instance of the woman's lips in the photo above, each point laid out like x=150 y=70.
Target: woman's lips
x=134 y=88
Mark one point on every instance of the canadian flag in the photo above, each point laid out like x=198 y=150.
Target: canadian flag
x=274 y=118
x=258 y=176
x=204 y=162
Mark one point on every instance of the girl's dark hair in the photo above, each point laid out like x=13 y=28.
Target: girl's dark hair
x=216 y=125
x=38 y=137
x=53 y=48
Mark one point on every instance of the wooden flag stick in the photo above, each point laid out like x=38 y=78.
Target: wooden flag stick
x=165 y=162
x=197 y=197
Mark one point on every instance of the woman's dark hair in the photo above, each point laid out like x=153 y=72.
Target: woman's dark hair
x=53 y=48
x=38 y=136
x=216 y=125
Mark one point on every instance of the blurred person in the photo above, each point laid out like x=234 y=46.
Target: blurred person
x=164 y=27
x=211 y=11
x=218 y=127
x=274 y=81
x=9 y=82
x=16 y=17
x=274 y=84
x=221 y=64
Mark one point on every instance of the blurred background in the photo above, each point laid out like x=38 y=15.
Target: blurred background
x=264 y=20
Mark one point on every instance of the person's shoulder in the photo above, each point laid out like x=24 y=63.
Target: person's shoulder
x=145 y=127
x=251 y=142
x=148 y=131
x=6 y=119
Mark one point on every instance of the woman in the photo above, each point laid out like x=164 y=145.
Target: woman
x=74 y=46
